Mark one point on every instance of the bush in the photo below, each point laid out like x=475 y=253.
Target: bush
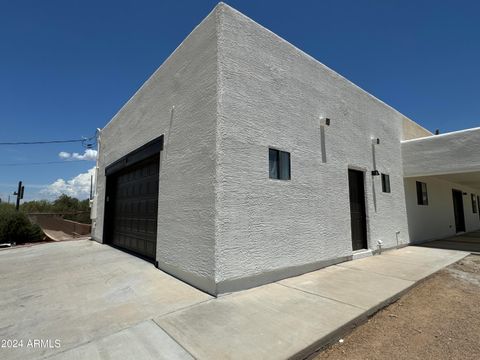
x=74 y=209
x=15 y=227
x=36 y=206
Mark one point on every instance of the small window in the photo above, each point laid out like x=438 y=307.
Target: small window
x=422 y=196
x=474 y=203
x=279 y=164
x=385 y=183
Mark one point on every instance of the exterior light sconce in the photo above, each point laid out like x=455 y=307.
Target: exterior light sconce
x=464 y=193
x=375 y=141
x=324 y=121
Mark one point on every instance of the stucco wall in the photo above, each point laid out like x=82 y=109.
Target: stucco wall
x=187 y=81
x=272 y=94
x=230 y=91
x=437 y=220
x=412 y=130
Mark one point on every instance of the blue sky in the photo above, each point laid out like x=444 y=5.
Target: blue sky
x=66 y=67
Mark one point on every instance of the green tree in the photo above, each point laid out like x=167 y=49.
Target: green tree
x=71 y=208
x=65 y=203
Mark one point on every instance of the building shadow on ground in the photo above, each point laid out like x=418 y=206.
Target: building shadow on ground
x=465 y=242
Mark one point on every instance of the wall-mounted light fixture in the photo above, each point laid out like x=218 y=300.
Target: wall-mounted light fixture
x=324 y=121
x=464 y=193
x=375 y=141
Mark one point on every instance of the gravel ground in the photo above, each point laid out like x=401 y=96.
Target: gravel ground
x=438 y=319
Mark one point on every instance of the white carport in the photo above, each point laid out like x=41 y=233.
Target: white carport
x=449 y=166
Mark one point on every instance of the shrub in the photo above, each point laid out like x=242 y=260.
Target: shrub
x=74 y=209
x=15 y=227
x=36 y=206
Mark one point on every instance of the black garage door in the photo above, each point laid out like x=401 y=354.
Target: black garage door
x=132 y=207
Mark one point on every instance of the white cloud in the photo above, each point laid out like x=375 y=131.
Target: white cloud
x=89 y=154
x=64 y=155
x=78 y=187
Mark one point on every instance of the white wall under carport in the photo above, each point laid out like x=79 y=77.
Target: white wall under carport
x=437 y=220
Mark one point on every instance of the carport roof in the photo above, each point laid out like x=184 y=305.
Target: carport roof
x=454 y=156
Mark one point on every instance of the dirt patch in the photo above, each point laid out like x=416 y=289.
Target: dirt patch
x=438 y=319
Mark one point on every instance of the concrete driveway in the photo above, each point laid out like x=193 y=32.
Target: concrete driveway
x=79 y=291
x=89 y=301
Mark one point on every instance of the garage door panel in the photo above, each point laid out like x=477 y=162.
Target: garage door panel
x=135 y=208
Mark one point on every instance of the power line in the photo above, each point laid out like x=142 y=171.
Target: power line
x=40 y=142
x=85 y=141
x=41 y=163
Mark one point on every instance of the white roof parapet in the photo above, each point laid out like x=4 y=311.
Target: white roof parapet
x=449 y=153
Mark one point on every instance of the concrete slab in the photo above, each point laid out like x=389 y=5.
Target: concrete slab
x=367 y=291
x=268 y=322
x=474 y=234
x=411 y=263
x=97 y=301
x=145 y=341
x=454 y=245
x=78 y=291
x=465 y=242
x=464 y=238
x=297 y=315
x=424 y=256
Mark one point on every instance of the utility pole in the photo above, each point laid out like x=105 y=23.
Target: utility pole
x=19 y=194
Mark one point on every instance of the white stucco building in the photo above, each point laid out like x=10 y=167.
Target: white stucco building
x=243 y=160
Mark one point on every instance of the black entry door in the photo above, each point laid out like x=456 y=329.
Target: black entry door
x=133 y=208
x=458 y=210
x=357 y=209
